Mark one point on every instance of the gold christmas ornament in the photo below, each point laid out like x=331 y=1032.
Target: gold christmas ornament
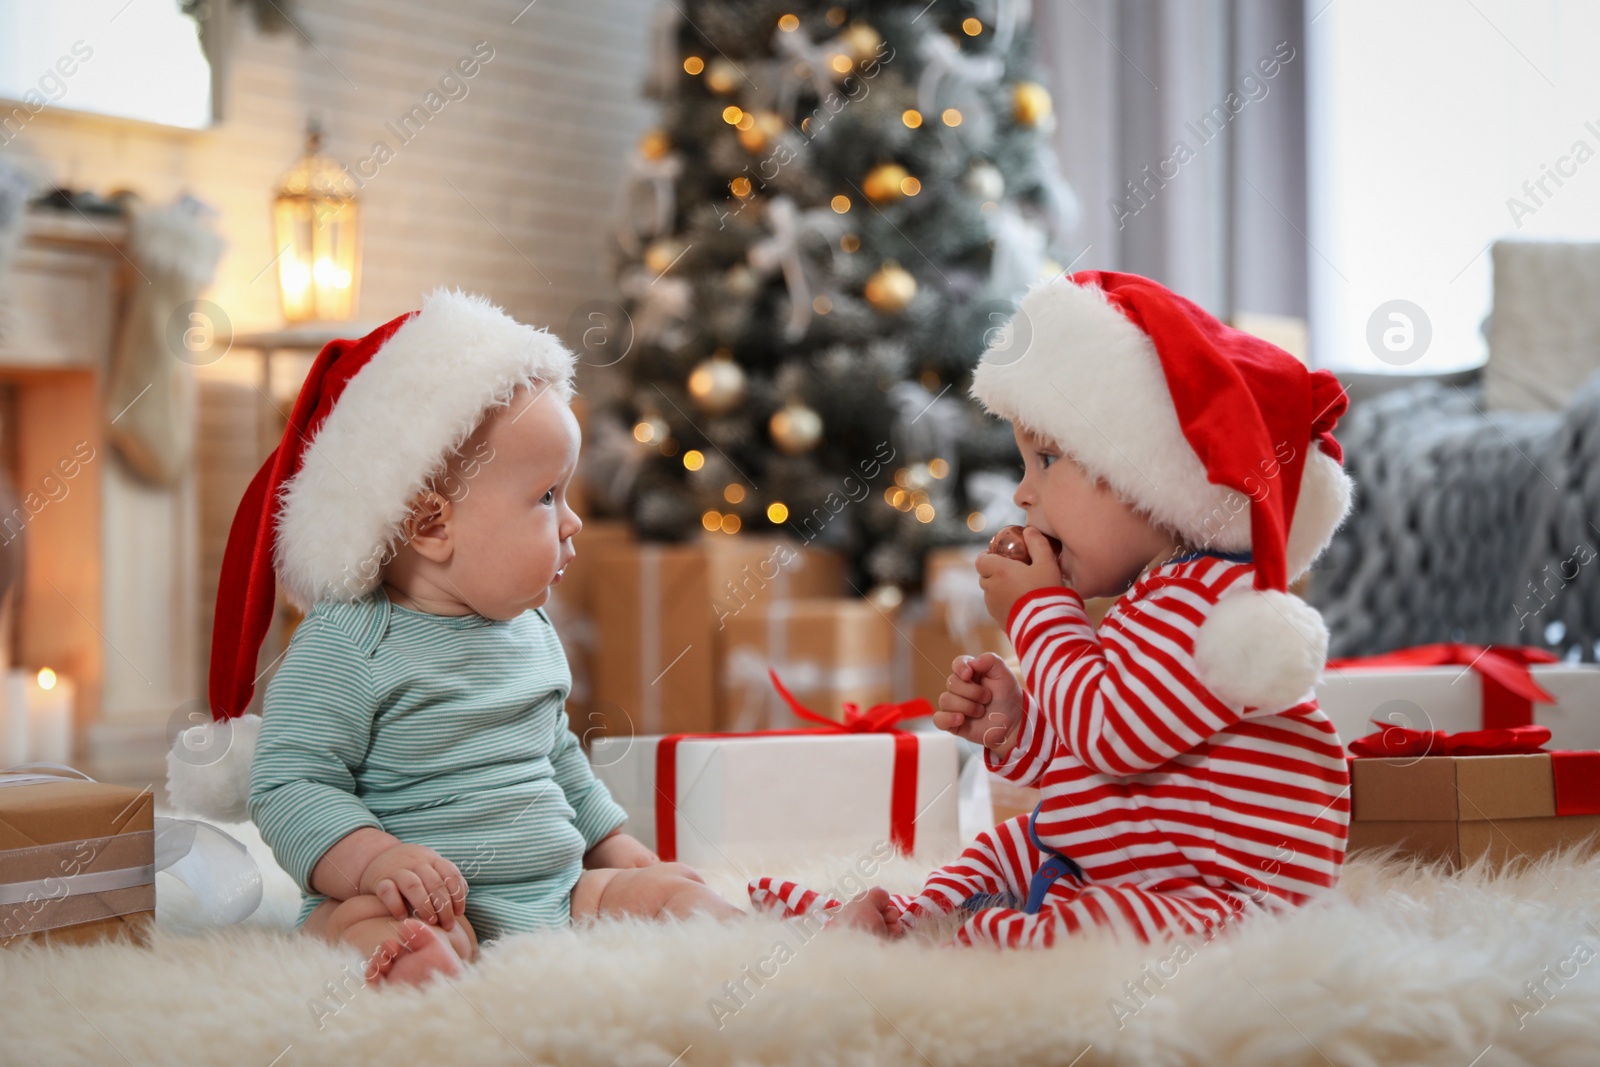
x=722 y=76
x=884 y=184
x=651 y=430
x=1030 y=103
x=654 y=145
x=717 y=385
x=760 y=132
x=661 y=254
x=795 y=429
x=890 y=289
x=860 y=41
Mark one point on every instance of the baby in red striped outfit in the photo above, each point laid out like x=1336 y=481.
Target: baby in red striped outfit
x=1187 y=775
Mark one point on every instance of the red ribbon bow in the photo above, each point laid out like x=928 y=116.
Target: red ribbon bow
x=1509 y=691
x=1395 y=741
x=880 y=718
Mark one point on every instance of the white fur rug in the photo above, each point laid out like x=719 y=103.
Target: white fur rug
x=1401 y=966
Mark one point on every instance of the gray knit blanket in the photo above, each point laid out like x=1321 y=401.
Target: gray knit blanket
x=1467 y=526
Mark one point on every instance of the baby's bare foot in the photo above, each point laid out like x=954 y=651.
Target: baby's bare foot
x=872 y=912
x=419 y=953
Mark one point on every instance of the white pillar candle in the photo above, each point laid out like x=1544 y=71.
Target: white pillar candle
x=50 y=700
x=14 y=718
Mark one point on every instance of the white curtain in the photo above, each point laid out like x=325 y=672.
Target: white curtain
x=1222 y=219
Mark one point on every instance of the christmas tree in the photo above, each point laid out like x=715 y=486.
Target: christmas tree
x=839 y=209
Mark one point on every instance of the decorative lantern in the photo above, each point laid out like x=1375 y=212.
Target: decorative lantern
x=315 y=221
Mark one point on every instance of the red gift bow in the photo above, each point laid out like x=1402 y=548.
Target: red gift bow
x=1509 y=691
x=1392 y=741
x=880 y=718
x=1576 y=774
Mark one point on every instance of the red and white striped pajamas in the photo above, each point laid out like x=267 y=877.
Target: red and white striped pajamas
x=1181 y=811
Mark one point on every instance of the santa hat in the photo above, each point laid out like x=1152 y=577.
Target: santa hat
x=1217 y=435
x=376 y=418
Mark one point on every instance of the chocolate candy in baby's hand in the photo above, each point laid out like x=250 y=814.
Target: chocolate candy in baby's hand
x=1009 y=542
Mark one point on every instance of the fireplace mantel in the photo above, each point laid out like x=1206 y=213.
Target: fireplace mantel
x=109 y=585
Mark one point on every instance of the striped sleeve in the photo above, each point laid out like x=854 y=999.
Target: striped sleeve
x=596 y=813
x=1028 y=759
x=315 y=729
x=1127 y=701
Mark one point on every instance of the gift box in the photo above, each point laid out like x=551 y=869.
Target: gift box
x=751 y=570
x=751 y=799
x=77 y=861
x=571 y=609
x=654 y=640
x=1460 y=809
x=1452 y=687
x=829 y=652
x=934 y=647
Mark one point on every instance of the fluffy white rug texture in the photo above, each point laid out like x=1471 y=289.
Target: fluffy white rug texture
x=1401 y=965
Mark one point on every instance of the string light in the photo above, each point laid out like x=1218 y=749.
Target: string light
x=47 y=678
x=643 y=432
x=911 y=117
x=841 y=64
x=693 y=459
x=971 y=27
x=732 y=114
x=910 y=186
x=712 y=521
x=836 y=16
x=733 y=493
x=822 y=304
x=694 y=65
x=951 y=117
x=924 y=512
x=740 y=187
x=850 y=242
x=777 y=512
x=938 y=468
x=841 y=203
x=789 y=23
x=976 y=522
x=730 y=524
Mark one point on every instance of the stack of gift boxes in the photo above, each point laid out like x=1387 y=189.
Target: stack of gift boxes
x=1420 y=711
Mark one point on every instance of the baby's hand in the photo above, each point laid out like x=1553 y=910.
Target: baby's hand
x=1004 y=581
x=981 y=701
x=619 y=850
x=417 y=876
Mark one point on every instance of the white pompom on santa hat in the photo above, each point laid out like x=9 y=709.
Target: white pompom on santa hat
x=376 y=418
x=1216 y=435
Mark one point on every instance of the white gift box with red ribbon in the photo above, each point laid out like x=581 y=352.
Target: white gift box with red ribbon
x=1458 y=688
x=738 y=799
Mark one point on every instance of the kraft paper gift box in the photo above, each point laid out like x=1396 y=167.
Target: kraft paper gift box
x=828 y=652
x=654 y=651
x=77 y=863
x=1456 y=697
x=755 y=569
x=749 y=799
x=1463 y=808
x=571 y=609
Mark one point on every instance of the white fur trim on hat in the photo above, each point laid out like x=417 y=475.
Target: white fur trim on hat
x=1261 y=649
x=1072 y=368
x=394 y=426
x=208 y=768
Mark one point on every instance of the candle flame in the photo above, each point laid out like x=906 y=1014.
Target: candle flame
x=47 y=678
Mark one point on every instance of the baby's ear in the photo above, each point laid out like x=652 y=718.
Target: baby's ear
x=426 y=529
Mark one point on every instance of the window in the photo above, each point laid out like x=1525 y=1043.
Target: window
x=1436 y=128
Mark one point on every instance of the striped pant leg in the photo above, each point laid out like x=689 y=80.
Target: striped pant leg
x=994 y=869
x=1149 y=915
x=997 y=866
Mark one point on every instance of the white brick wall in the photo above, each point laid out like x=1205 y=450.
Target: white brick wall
x=539 y=146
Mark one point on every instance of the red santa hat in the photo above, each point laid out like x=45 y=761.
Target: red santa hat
x=376 y=418
x=1217 y=435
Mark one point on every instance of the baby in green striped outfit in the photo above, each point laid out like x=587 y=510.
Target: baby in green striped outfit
x=415 y=771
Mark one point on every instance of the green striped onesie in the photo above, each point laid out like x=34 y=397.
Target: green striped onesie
x=445 y=731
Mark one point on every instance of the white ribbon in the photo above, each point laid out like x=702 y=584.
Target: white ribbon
x=943 y=58
x=661 y=308
x=661 y=176
x=794 y=50
x=649 y=637
x=1009 y=16
x=216 y=868
x=782 y=249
